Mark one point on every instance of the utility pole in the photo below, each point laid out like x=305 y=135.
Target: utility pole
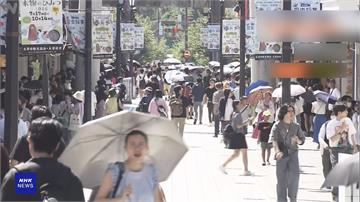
x=221 y=41
x=286 y=58
x=118 y=34
x=12 y=68
x=241 y=4
x=88 y=60
x=186 y=27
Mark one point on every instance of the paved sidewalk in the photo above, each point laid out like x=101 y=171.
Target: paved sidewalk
x=198 y=179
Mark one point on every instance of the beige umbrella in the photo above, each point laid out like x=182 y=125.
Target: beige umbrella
x=100 y=142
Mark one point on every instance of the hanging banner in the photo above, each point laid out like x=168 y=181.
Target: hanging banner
x=139 y=37
x=231 y=37
x=102 y=36
x=41 y=26
x=250 y=36
x=259 y=49
x=269 y=5
x=127 y=36
x=305 y=5
x=75 y=24
x=213 y=37
x=3 y=14
x=204 y=37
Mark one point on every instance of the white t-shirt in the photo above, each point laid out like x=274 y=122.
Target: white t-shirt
x=319 y=107
x=22 y=129
x=228 y=110
x=356 y=121
x=299 y=106
x=331 y=130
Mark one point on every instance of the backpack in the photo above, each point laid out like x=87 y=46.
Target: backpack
x=142 y=83
x=176 y=106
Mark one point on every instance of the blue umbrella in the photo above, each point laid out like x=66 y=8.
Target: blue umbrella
x=254 y=85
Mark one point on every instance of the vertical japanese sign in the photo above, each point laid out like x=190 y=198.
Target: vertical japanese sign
x=139 y=38
x=213 y=37
x=305 y=5
x=3 y=17
x=204 y=37
x=41 y=26
x=75 y=23
x=102 y=35
x=127 y=36
x=250 y=36
x=231 y=37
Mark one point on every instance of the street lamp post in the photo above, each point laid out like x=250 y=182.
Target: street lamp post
x=286 y=58
x=221 y=40
x=131 y=66
x=241 y=4
x=120 y=3
x=88 y=60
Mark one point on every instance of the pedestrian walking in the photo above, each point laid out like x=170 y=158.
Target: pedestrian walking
x=319 y=109
x=341 y=134
x=198 y=92
x=208 y=99
x=226 y=108
x=325 y=150
x=133 y=180
x=111 y=103
x=141 y=82
x=145 y=101
x=51 y=176
x=239 y=120
x=286 y=136
x=158 y=106
x=216 y=103
x=178 y=104
x=263 y=138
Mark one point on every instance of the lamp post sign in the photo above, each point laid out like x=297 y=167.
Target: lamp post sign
x=75 y=23
x=3 y=14
x=213 y=37
x=231 y=37
x=41 y=26
x=139 y=37
x=102 y=36
x=127 y=36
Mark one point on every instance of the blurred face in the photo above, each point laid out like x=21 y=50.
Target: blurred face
x=67 y=99
x=343 y=114
x=266 y=118
x=290 y=113
x=212 y=84
x=267 y=96
x=136 y=148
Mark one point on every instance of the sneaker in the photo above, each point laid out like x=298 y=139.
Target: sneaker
x=263 y=164
x=268 y=163
x=200 y=122
x=223 y=170
x=194 y=121
x=215 y=136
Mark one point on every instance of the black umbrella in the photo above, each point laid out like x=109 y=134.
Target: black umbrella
x=344 y=173
x=33 y=85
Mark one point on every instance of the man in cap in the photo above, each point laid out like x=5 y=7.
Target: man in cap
x=145 y=101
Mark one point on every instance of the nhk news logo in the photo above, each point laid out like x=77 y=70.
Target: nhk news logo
x=25 y=183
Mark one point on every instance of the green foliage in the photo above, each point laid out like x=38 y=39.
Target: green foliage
x=153 y=49
x=198 y=53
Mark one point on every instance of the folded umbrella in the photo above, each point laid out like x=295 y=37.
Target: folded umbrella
x=254 y=85
x=344 y=173
x=295 y=90
x=100 y=142
x=325 y=97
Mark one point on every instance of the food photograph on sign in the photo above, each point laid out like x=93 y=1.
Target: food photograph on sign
x=41 y=22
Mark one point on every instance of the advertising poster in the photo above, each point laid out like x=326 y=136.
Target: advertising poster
x=305 y=5
x=75 y=24
x=139 y=38
x=127 y=36
x=261 y=49
x=41 y=26
x=213 y=37
x=102 y=35
x=231 y=37
x=204 y=37
x=3 y=14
